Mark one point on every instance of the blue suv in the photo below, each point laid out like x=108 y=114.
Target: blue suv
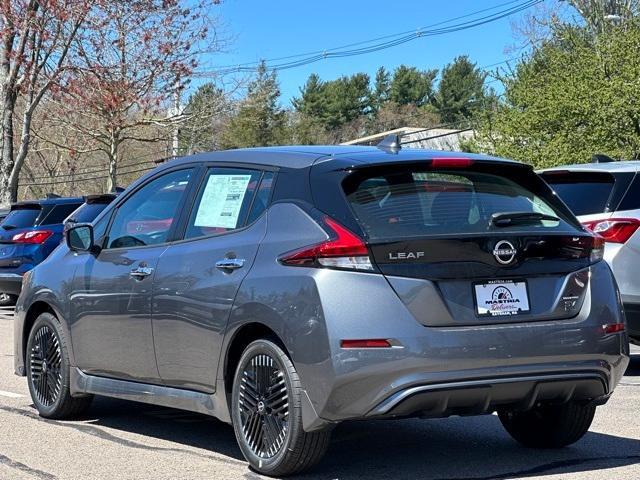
x=33 y=229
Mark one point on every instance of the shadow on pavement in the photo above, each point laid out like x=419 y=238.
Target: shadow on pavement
x=633 y=370
x=455 y=448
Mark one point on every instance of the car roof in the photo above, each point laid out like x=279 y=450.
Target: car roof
x=617 y=166
x=303 y=156
x=48 y=201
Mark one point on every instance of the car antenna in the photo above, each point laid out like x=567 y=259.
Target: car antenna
x=601 y=158
x=390 y=143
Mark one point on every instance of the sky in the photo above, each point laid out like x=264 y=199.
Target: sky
x=270 y=29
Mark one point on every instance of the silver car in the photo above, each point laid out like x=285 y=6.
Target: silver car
x=285 y=290
x=606 y=198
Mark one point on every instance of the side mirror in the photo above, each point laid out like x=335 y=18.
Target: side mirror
x=80 y=238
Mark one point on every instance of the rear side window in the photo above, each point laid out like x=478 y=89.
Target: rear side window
x=223 y=202
x=407 y=204
x=21 y=218
x=585 y=193
x=87 y=212
x=631 y=200
x=58 y=213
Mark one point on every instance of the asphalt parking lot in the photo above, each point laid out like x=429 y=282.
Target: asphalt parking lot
x=132 y=441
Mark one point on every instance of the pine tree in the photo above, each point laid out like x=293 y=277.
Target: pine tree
x=460 y=91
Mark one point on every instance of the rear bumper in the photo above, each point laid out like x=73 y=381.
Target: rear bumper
x=478 y=397
x=459 y=370
x=10 y=283
x=632 y=312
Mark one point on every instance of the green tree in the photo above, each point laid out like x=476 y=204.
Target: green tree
x=575 y=96
x=259 y=121
x=334 y=103
x=412 y=86
x=205 y=114
x=461 y=90
x=381 y=89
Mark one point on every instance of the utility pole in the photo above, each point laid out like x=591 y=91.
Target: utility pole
x=177 y=111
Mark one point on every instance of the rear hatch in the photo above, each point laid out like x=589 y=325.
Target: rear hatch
x=486 y=239
x=22 y=218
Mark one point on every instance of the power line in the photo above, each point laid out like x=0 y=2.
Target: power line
x=399 y=39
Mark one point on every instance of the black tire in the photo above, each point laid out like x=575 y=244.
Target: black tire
x=7 y=300
x=47 y=364
x=551 y=426
x=266 y=402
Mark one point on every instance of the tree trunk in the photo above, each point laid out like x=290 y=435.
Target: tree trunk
x=112 y=181
x=6 y=151
x=20 y=158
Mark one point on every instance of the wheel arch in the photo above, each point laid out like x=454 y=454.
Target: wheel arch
x=36 y=308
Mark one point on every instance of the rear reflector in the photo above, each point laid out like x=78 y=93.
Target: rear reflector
x=451 y=162
x=612 y=328
x=343 y=250
x=32 y=237
x=368 y=343
x=614 y=230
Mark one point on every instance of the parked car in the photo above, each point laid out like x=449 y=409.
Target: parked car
x=33 y=229
x=286 y=290
x=606 y=198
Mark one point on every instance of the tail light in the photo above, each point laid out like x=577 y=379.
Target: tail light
x=365 y=343
x=32 y=237
x=344 y=249
x=614 y=230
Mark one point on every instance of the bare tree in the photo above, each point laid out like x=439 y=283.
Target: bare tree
x=35 y=43
x=133 y=63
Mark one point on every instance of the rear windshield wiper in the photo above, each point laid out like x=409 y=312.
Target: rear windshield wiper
x=506 y=219
x=9 y=227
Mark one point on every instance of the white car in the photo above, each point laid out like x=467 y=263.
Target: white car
x=605 y=196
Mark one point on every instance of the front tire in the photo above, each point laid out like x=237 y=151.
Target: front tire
x=267 y=416
x=48 y=372
x=550 y=426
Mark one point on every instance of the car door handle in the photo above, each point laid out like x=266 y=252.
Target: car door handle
x=230 y=263
x=141 y=272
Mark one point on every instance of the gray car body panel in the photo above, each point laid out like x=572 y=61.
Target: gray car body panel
x=309 y=310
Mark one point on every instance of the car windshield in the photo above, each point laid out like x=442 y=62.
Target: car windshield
x=402 y=203
x=584 y=193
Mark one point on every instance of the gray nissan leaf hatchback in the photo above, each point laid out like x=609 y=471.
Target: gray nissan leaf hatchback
x=285 y=290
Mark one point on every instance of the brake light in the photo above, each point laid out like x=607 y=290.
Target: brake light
x=32 y=237
x=451 y=162
x=614 y=230
x=343 y=250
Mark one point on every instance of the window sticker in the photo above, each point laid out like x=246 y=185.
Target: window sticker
x=221 y=201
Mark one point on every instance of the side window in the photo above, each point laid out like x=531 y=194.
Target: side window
x=146 y=217
x=631 y=200
x=223 y=202
x=261 y=202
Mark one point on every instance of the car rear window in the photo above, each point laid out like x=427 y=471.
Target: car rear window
x=87 y=212
x=58 y=213
x=631 y=200
x=21 y=218
x=585 y=193
x=418 y=203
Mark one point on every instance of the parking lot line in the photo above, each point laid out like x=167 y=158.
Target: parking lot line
x=10 y=394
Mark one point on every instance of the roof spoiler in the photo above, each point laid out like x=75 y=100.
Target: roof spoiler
x=601 y=158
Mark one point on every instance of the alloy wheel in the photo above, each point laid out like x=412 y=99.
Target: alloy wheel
x=46 y=366
x=263 y=402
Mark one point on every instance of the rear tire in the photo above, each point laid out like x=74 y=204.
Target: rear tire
x=48 y=374
x=551 y=426
x=267 y=415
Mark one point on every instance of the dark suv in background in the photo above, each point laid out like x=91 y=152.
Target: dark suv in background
x=33 y=229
